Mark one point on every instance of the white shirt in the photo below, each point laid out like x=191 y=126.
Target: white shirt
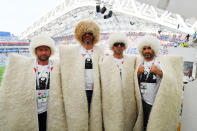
x=42 y=87
x=89 y=79
x=119 y=63
x=149 y=82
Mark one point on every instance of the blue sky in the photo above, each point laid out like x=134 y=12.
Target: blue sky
x=17 y=15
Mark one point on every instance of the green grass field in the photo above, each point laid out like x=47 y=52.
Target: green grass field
x=2 y=69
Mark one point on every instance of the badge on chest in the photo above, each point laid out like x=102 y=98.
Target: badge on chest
x=88 y=63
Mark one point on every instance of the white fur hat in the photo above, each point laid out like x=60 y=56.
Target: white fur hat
x=42 y=40
x=117 y=37
x=151 y=41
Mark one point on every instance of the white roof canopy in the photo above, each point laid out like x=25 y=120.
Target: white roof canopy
x=128 y=15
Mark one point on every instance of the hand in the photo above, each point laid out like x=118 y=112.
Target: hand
x=140 y=70
x=155 y=70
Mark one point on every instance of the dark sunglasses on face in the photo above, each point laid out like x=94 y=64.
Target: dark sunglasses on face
x=117 y=44
x=146 y=48
x=89 y=33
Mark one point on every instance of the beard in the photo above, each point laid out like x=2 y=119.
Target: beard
x=43 y=57
x=88 y=41
x=148 y=56
x=118 y=52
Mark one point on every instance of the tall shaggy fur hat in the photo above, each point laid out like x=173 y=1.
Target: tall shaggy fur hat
x=42 y=40
x=151 y=41
x=85 y=27
x=117 y=37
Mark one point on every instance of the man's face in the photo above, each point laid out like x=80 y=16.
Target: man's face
x=43 y=53
x=148 y=53
x=88 y=38
x=118 y=48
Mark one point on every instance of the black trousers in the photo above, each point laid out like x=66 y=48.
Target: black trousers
x=89 y=98
x=146 y=109
x=42 y=120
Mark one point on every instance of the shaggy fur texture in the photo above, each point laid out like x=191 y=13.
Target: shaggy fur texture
x=151 y=41
x=18 y=107
x=85 y=27
x=40 y=41
x=117 y=37
x=120 y=110
x=166 y=108
x=73 y=86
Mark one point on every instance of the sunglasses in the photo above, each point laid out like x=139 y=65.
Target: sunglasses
x=117 y=44
x=89 y=33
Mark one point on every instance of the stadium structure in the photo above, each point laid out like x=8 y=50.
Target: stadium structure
x=126 y=16
x=132 y=17
x=11 y=44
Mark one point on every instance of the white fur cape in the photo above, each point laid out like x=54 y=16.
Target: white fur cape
x=18 y=106
x=165 y=112
x=120 y=106
x=73 y=85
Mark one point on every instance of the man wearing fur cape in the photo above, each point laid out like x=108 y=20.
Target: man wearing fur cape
x=80 y=79
x=160 y=83
x=30 y=95
x=121 y=108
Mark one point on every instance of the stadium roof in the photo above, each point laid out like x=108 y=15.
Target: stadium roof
x=128 y=15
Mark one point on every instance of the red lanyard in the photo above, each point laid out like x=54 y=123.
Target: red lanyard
x=50 y=66
x=83 y=54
